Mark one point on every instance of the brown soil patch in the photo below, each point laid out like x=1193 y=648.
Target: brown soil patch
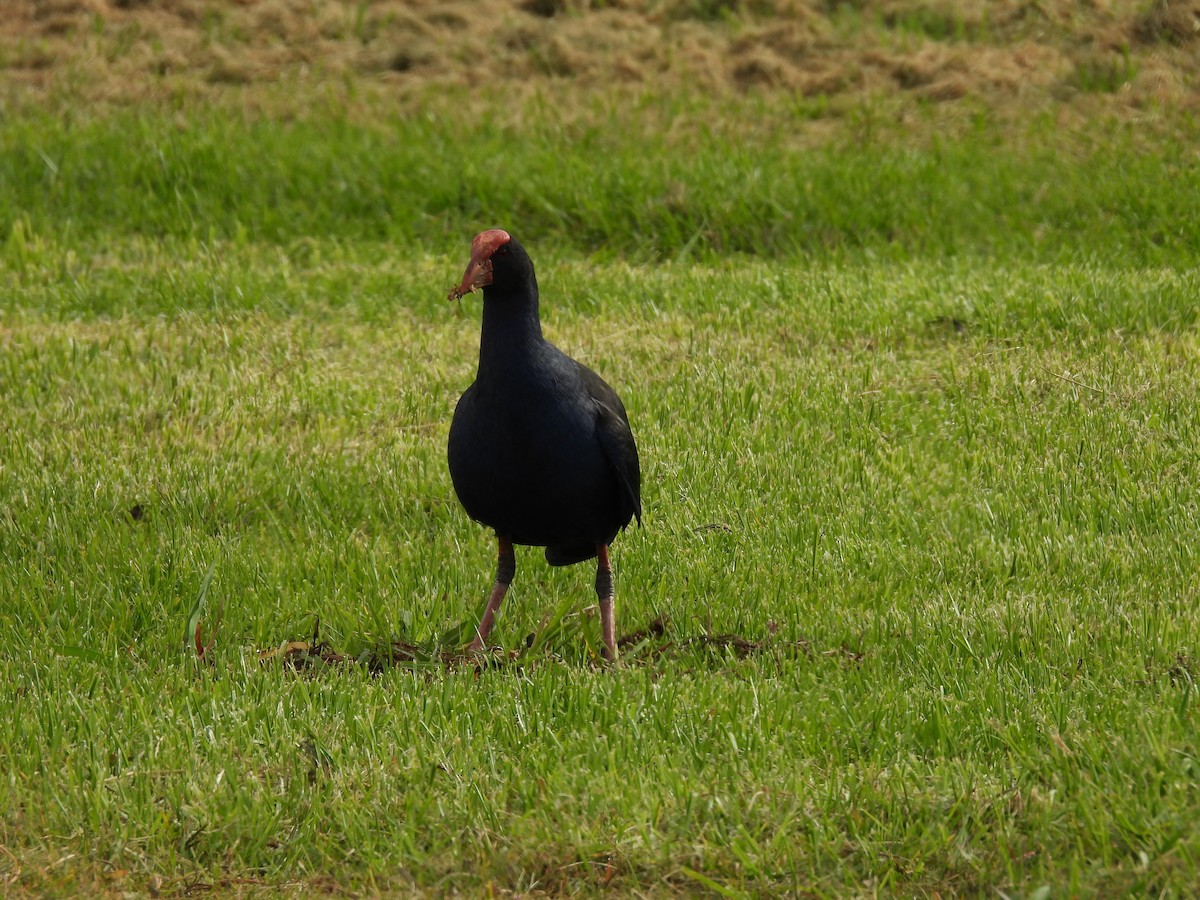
x=656 y=642
x=1108 y=54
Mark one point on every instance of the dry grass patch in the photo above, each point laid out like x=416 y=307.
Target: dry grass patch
x=1011 y=55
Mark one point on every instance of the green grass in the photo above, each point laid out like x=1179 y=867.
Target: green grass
x=947 y=487
x=601 y=187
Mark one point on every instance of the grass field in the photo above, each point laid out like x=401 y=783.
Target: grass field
x=915 y=607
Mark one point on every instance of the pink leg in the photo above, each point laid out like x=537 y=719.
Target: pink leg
x=506 y=567
x=604 y=591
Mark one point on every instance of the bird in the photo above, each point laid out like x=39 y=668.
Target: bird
x=540 y=448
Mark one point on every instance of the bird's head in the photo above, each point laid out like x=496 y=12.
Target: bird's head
x=496 y=259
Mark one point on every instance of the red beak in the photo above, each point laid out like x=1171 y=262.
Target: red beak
x=479 y=269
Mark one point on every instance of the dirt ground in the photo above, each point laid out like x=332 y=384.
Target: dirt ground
x=1115 y=55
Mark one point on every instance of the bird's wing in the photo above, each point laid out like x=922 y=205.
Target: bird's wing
x=616 y=438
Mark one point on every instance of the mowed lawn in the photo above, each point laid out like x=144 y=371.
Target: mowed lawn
x=917 y=588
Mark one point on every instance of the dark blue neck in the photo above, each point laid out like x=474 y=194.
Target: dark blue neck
x=510 y=328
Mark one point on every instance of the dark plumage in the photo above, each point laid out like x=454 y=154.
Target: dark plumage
x=540 y=446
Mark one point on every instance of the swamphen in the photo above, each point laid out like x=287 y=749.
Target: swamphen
x=540 y=446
